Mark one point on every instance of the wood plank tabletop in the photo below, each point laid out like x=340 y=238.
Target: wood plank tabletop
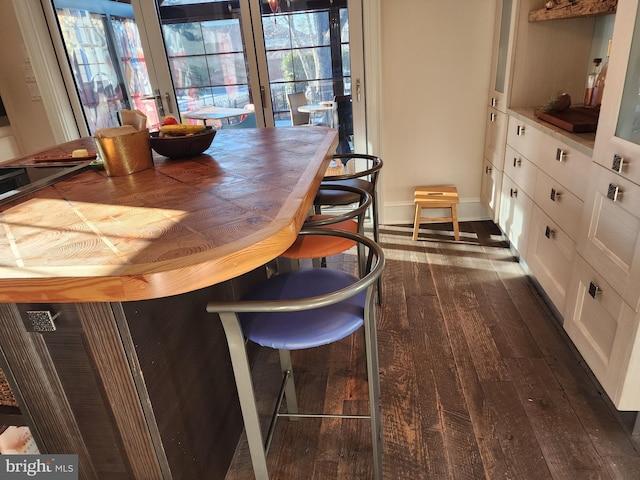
x=181 y=226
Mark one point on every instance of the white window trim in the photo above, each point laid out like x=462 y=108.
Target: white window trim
x=38 y=43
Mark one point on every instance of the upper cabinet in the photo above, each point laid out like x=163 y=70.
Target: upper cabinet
x=501 y=52
x=534 y=61
x=618 y=137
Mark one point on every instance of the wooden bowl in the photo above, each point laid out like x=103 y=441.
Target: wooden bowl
x=183 y=147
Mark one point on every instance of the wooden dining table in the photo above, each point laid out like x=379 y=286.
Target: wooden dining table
x=104 y=335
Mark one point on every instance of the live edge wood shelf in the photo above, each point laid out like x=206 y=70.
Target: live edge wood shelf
x=573 y=9
x=136 y=379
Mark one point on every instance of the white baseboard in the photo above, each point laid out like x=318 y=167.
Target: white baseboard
x=400 y=213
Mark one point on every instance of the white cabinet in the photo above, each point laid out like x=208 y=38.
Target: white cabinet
x=610 y=236
x=604 y=329
x=602 y=309
x=515 y=214
x=490 y=188
x=550 y=256
x=495 y=135
x=551 y=168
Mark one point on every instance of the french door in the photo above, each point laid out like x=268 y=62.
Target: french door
x=172 y=56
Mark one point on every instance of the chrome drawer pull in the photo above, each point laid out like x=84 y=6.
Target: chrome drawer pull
x=549 y=232
x=520 y=130
x=517 y=162
x=594 y=290
x=513 y=192
x=487 y=169
x=618 y=163
x=494 y=102
x=42 y=320
x=561 y=155
x=555 y=195
x=613 y=192
x=492 y=117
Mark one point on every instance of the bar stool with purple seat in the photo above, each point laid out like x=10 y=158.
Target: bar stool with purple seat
x=302 y=309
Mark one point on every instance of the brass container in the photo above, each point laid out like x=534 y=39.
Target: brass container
x=126 y=154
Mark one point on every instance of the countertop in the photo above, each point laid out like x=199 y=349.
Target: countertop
x=180 y=226
x=583 y=142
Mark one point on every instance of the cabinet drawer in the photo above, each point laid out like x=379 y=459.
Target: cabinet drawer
x=490 y=189
x=515 y=214
x=521 y=170
x=620 y=157
x=565 y=164
x=604 y=329
x=550 y=257
x=495 y=137
x=561 y=205
x=610 y=232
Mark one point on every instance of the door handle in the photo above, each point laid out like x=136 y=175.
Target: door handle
x=358 y=89
x=157 y=98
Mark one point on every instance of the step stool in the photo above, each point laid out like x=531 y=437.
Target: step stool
x=436 y=197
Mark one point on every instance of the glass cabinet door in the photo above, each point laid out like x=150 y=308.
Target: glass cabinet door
x=501 y=55
x=617 y=145
x=628 y=125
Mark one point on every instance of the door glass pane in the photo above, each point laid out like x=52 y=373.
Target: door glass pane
x=628 y=127
x=503 y=45
x=105 y=54
x=307 y=46
x=205 y=49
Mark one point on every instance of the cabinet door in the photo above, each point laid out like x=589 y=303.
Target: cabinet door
x=521 y=170
x=550 y=256
x=610 y=232
x=559 y=203
x=617 y=145
x=495 y=137
x=501 y=52
x=605 y=331
x=490 y=189
x=515 y=214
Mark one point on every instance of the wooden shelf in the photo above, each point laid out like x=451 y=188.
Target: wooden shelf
x=578 y=8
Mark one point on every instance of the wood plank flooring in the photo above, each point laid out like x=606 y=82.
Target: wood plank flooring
x=478 y=379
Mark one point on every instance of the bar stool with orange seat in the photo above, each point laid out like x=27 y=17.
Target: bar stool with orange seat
x=360 y=171
x=319 y=247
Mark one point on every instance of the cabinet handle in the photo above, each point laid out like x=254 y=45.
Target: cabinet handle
x=487 y=169
x=618 y=163
x=613 y=192
x=517 y=162
x=492 y=117
x=494 y=102
x=42 y=320
x=594 y=290
x=520 y=130
x=513 y=192
x=549 y=232
x=561 y=155
x=554 y=195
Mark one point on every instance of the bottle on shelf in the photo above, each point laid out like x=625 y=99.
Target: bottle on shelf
x=591 y=81
x=600 y=81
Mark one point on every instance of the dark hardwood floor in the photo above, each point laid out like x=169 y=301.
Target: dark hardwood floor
x=478 y=379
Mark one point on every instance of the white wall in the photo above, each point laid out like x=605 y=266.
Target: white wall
x=29 y=121
x=435 y=79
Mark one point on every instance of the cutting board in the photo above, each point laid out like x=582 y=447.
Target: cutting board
x=575 y=119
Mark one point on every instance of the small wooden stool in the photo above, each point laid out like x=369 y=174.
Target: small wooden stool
x=436 y=197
